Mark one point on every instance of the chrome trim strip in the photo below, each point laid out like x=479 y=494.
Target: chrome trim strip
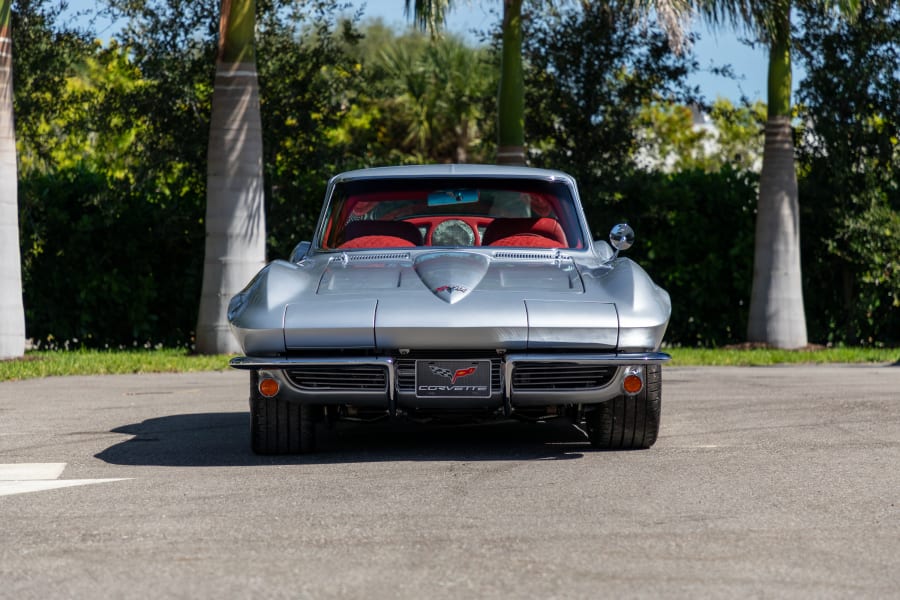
x=636 y=358
x=256 y=362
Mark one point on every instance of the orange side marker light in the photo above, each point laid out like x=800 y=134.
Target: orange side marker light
x=632 y=384
x=268 y=387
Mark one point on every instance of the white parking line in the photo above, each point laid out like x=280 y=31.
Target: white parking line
x=38 y=477
x=31 y=471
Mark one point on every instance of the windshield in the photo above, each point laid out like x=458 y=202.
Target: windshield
x=451 y=212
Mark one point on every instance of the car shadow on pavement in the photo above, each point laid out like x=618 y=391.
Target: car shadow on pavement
x=223 y=439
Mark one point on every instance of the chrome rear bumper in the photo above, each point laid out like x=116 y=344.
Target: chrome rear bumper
x=525 y=379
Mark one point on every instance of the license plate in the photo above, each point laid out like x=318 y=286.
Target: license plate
x=453 y=378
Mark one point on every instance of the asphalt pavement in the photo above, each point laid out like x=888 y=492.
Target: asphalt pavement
x=775 y=482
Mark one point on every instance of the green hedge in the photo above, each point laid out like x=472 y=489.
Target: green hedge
x=102 y=269
x=694 y=235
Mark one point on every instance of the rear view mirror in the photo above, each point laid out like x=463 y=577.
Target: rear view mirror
x=450 y=197
x=621 y=237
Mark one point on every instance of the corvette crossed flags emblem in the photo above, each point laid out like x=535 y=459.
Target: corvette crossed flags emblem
x=452 y=375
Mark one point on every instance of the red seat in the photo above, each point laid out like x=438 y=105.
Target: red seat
x=542 y=232
x=381 y=234
x=377 y=241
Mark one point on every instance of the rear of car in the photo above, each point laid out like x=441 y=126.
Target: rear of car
x=452 y=292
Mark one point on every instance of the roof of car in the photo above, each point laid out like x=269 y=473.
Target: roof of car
x=466 y=170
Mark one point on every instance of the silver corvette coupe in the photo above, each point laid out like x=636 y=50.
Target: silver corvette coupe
x=453 y=292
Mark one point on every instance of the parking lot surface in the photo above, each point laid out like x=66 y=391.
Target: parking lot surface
x=765 y=482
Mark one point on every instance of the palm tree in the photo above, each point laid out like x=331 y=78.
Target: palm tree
x=431 y=15
x=235 y=218
x=511 y=94
x=436 y=90
x=777 y=316
x=12 y=312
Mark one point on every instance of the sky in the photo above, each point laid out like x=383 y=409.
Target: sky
x=714 y=48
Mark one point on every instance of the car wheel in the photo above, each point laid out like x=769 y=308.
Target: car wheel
x=277 y=426
x=628 y=422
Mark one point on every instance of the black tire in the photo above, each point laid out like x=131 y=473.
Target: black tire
x=628 y=422
x=277 y=426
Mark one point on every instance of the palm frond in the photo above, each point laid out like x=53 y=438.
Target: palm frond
x=428 y=15
x=674 y=16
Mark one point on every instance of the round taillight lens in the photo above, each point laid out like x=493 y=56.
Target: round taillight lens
x=268 y=387
x=632 y=384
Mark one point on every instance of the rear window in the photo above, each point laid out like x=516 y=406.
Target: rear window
x=451 y=212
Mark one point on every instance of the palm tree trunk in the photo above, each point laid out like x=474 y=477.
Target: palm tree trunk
x=462 y=142
x=12 y=312
x=511 y=97
x=777 y=315
x=235 y=218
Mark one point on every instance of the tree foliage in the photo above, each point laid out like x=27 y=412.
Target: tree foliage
x=419 y=100
x=850 y=155
x=676 y=137
x=104 y=218
x=44 y=57
x=592 y=79
x=112 y=148
x=306 y=76
x=439 y=89
x=695 y=236
x=590 y=72
x=113 y=194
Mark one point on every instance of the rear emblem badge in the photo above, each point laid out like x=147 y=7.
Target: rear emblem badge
x=449 y=289
x=452 y=375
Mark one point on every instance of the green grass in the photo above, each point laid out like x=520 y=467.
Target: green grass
x=107 y=362
x=100 y=362
x=741 y=357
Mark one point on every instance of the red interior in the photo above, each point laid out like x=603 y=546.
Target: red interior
x=391 y=232
x=543 y=232
x=398 y=229
x=377 y=241
x=535 y=233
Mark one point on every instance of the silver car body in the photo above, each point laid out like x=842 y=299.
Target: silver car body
x=411 y=327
